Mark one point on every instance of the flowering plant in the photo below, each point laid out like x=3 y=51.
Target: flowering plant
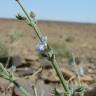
x=46 y=51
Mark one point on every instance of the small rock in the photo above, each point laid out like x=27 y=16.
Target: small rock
x=24 y=71
x=91 y=91
x=49 y=76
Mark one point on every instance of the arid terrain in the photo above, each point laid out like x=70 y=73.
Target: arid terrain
x=20 y=41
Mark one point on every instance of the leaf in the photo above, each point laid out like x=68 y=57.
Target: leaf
x=19 y=17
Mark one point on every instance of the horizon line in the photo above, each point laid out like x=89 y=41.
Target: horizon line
x=50 y=20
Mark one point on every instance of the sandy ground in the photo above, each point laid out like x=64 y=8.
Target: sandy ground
x=79 y=38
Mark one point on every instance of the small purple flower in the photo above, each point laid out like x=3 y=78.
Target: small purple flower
x=42 y=45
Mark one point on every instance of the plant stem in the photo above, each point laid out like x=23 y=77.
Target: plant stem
x=24 y=92
x=53 y=61
x=60 y=75
x=10 y=77
x=32 y=24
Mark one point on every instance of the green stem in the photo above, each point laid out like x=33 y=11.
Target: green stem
x=32 y=24
x=10 y=77
x=54 y=63
x=60 y=75
x=24 y=92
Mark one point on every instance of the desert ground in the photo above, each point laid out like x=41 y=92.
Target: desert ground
x=19 y=41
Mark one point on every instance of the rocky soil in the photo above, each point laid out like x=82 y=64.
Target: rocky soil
x=34 y=72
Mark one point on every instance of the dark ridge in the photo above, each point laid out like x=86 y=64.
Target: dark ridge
x=52 y=21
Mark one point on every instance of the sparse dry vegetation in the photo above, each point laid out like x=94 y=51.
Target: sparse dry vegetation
x=39 y=77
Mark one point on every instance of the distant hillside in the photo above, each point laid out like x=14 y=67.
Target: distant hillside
x=79 y=37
